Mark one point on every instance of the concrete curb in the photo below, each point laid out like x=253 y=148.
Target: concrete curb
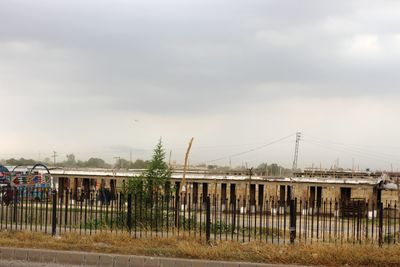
x=111 y=260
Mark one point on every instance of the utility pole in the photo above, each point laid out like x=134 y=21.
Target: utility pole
x=119 y=160
x=185 y=167
x=54 y=157
x=266 y=169
x=245 y=193
x=250 y=174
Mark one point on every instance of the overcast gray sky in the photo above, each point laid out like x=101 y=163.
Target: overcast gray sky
x=99 y=78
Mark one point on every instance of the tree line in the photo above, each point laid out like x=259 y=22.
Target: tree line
x=71 y=162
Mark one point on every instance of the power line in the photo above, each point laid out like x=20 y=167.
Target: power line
x=357 y=147
x=250 y=150
x=344 y=150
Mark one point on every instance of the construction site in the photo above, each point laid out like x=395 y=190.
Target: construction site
x=310 y=184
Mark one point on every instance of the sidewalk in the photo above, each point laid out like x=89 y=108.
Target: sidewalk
x=22 y=257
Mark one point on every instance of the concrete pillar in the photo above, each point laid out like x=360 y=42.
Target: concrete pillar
x=86 y=188
x=260 y=194
x=177 y=185
x=205 y=192
x=167 y=188
x=223 y=193
x=252 y=197
x=113 y=189
x=195 y=192
x=75 y=189
x=319 y=196
x=232 y=193
x=223 y=196
x=282 y=194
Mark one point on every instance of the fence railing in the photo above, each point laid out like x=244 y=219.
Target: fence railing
x=210 y=218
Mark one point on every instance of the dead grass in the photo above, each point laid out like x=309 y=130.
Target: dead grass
x=315 y=254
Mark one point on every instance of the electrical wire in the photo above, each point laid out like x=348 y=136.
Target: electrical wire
x=251 y=150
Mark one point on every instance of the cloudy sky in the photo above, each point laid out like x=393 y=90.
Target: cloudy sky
x=103 y=78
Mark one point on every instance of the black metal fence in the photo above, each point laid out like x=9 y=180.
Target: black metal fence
x=209 y=218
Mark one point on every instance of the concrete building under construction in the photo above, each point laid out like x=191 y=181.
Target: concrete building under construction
x=313 y=186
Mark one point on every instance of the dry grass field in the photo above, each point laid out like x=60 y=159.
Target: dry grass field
x=315 y=254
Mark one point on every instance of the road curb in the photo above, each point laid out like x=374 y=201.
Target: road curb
x=111 y=260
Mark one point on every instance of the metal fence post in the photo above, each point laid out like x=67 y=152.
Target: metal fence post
x=54 y=214
x=208 y=219
x=176 y=211
x=129 y=215
x=292 y=221
x=380 y=205
x=15 y=203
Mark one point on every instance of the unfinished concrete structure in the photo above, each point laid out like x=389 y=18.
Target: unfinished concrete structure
x=230 y=186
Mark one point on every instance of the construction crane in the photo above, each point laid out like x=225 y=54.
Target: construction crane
x=182 y=187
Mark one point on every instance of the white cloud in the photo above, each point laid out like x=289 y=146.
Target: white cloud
x=366 y=43
x=276 y=38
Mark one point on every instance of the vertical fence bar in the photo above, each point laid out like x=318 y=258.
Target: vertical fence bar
x=237 y=215
x=36 y=199
x=380 y=229
x=215 y=216
x=90 y=212
x=21 y=200
x=292 y=221
x=208 y=218
x=366 y=220
x=80 y=215
x=300 y=218
x=136 y=219
x=373 y=221
x=157 y=213
x=388 y=207
x=324 y=221
x=140 y=214
x=243 y=211
x=112 y=214
x=2 y=208
x=227 y=212
x=41 y=209
x=330 y=221
x=233 y=217
x=96 y=211
x=129 y=213
x=54 y=213
x=305 y=221
x=395 y=223
x=167 y=203
x=260 y=207
x=272 y=219
x=66 y=210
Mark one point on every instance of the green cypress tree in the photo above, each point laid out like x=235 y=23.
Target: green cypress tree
x=153 y=179
x=158 y=172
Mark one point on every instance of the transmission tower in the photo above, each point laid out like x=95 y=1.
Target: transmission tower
x=296 y=151
x=294 y=167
